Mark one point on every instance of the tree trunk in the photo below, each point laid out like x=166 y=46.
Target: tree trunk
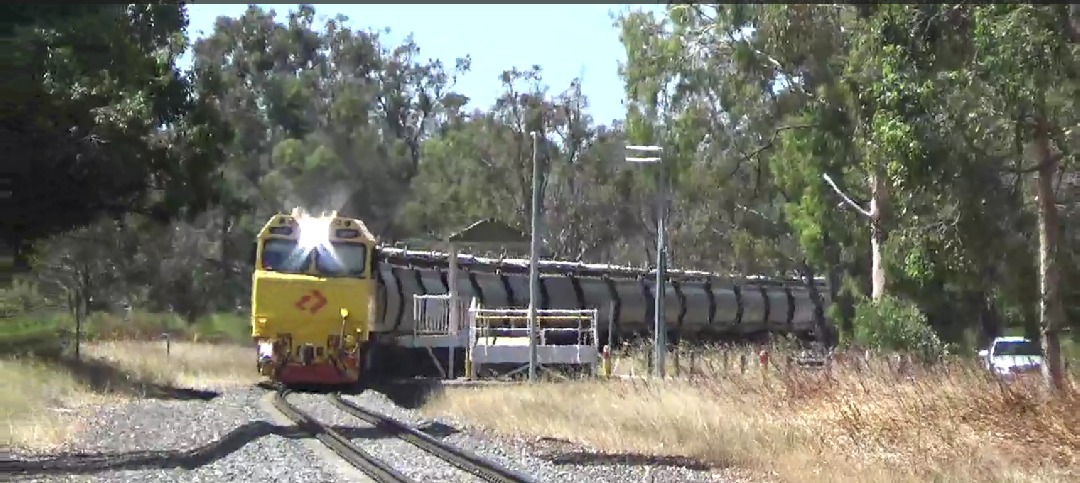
x=226 y=261
x=1051 y=311
x=80 y=311
x=821 y=328
x=835 y=274
x=878 y=234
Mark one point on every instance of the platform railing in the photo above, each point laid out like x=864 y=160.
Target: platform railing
x=564 y=337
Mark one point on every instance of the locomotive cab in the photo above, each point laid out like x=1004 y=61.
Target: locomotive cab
x=310 y=288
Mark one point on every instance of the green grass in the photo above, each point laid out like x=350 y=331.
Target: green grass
x=39 y=333
x=137 y=325
x=42 y=332
x=223 y=327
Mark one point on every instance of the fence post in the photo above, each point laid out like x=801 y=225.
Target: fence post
x=675 y=349
x=692 y=371
x=649 y=361
x=168 y=344
x=763 y=359
x=605 y=361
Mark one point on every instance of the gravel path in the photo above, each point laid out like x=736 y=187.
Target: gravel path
x=401 y=455
x=267 y=451
x=544 y=461
x=264 y=448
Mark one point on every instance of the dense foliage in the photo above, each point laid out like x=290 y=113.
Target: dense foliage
x=923 y=153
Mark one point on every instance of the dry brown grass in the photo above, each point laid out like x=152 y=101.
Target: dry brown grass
x=41 y=401
x=855 y=422
x=190 y=365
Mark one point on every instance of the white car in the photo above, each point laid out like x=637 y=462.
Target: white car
x=1012 y=355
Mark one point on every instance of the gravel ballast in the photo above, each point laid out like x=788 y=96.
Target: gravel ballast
x=526 y=456
x=275 y=453
x=267 y=449
x=401 y=455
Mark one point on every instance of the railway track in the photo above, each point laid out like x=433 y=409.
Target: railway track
x=376 y=468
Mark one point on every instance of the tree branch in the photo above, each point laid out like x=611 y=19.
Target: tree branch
x=772 y=139
x=847 y=199
x=1032 y=169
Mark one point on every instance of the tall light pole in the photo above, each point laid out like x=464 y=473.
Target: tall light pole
x=659 y=327
x=534 y=255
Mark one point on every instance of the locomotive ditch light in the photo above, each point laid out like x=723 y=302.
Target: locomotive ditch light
x=344 y=313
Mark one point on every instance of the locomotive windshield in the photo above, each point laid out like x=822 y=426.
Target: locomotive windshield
x=284 y=256
x=342 y=259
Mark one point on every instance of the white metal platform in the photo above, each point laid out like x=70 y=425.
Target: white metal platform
x=434 y=341
x=435 y=325
x=500 y=336
x=517 y=352
x=496 y=337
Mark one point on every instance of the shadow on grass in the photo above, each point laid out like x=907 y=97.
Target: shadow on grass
x=101 y=377
x=86 y=463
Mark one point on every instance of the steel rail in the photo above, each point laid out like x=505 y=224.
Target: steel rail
x=362 y=460
x=467 y=461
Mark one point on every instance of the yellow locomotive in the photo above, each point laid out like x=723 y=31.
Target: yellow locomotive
x=311 y=298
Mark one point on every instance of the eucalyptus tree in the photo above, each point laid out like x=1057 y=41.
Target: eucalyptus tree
x=97 y=120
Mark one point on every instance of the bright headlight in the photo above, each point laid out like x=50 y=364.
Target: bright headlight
x=314 y=231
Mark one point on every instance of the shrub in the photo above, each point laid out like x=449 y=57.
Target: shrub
x=21 y=298
x=894 y=324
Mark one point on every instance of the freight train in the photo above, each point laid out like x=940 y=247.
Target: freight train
x=323 y=304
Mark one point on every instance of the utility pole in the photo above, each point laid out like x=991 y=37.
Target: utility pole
x=534 y=255
x=659 y=326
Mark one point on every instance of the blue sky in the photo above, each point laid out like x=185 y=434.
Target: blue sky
x=567 y=41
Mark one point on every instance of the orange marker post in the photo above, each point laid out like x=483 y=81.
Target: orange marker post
x=605 y=361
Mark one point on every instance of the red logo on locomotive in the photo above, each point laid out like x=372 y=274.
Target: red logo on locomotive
x=312 y=302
